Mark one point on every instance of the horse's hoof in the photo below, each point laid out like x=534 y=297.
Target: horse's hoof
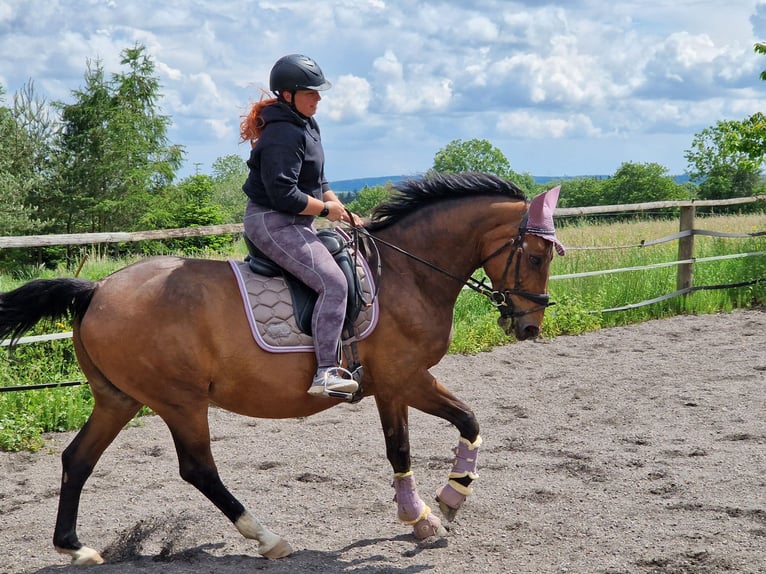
x=279 y=550
x=84 y=556
x=448 y=512
x=429 y=526
x=450 y=501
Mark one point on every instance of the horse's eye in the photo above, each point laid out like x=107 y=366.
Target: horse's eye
x=535 y=261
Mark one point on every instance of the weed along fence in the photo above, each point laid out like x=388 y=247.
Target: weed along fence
x=685 y=263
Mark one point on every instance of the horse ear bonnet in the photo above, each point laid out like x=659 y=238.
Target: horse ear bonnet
x=541 y=217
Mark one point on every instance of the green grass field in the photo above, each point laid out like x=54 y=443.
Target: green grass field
x=25 y=415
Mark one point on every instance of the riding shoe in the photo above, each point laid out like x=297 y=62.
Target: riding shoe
x=329 y=379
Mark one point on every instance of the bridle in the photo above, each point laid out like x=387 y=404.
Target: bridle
x=499 y=298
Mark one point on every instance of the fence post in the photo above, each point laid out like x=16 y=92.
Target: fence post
x=686 y=249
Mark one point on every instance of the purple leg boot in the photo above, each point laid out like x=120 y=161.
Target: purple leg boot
x=412 y=510
x=452 y=495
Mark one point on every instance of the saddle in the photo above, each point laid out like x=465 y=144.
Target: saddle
x=303 y=297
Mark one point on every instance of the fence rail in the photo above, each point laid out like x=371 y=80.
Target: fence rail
x=116 y=237
x=685 y=262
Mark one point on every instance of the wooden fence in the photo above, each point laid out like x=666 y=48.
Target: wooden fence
x=685 y=237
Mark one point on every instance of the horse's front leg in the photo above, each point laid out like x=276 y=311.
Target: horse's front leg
x=410 y=507
x=436 y=400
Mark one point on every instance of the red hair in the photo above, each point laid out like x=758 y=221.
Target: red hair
x=251 y=126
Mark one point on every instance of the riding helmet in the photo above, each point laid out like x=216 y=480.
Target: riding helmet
x=297 y=72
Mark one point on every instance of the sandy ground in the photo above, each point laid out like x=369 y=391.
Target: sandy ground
x=629 y=450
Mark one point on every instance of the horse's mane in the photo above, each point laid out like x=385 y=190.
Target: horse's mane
x=413 y=194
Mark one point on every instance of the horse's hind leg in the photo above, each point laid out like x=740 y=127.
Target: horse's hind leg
x=112 y=411
x=191 y=435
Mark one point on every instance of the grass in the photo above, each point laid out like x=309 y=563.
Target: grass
x=579 y=301
x=25 y=415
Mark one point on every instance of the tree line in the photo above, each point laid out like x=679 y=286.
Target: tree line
x=103 y=162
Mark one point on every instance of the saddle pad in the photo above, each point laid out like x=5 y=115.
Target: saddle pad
x=269 y=310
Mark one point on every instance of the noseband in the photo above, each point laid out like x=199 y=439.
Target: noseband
x=500 y=298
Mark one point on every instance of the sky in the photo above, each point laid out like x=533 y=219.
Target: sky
x=570 y=88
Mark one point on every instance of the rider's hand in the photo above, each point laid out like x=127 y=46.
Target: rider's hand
x=355 y=220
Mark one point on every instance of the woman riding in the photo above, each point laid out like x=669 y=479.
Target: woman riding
x=286 y=189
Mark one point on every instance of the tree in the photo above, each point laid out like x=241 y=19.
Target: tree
x=479 y=155
x=141 y=129
x=198 y=209
x=369 y=198
x=760 y=48
x=229 y=173
x=582 y=192
x=727 y=159
x=640 y=183
x=113 y=153
x=18 y=174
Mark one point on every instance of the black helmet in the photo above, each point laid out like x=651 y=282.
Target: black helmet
x=297 y=72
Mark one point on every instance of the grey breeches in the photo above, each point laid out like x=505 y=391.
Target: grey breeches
x=291 y=241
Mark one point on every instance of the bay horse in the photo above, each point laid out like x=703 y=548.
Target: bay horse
x=170 y=333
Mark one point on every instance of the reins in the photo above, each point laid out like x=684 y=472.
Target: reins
x=500 y=299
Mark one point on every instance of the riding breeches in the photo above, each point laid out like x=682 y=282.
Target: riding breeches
x=292 y=243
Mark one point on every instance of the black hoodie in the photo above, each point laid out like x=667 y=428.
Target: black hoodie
x=287 y=162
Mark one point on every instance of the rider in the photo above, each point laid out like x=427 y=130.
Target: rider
x=286 y=189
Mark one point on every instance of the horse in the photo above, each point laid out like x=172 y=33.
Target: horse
x=169 y=333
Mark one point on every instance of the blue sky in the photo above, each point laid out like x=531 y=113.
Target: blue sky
x=568 y=88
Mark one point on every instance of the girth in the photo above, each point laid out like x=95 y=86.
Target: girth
x=303 y=297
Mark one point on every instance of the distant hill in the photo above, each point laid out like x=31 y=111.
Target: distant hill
x=354 y=185
x=349 y=185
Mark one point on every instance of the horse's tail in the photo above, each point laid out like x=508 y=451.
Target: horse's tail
x=24 y=307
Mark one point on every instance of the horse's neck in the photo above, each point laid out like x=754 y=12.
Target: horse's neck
x=443 y=253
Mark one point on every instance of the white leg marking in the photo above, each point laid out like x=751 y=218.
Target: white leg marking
x=83 y=556
x=270 y=545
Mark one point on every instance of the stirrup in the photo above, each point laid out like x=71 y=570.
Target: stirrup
x=335 y=382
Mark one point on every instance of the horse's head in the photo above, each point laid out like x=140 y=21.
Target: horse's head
x=519 y=267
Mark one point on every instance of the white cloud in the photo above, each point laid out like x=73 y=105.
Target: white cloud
x=481 y=28
x=349 y=99
x=410 y=76
x=6 y=12
x=223 y=129
x=406 y=92
x=528 y=125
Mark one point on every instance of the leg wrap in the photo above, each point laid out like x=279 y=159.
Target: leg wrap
x=411 y=507
x=412 y=510
x=453 y=494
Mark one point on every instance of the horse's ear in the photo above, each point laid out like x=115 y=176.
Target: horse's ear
x=541 y=217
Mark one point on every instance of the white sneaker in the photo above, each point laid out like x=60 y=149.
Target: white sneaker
x=329 y=379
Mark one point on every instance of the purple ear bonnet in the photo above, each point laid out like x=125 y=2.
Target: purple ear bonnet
x=541 y=217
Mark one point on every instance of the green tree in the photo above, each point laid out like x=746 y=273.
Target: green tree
x=369 y=198
x=582 y=192
x=113 y=153
x=726 y=159
x=18 y=174
x=760 y=48
x=641 y=182
x=229 y=173
x=197 y=209
x=479 y=155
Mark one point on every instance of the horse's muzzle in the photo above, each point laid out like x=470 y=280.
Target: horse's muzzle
x=518 y=329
